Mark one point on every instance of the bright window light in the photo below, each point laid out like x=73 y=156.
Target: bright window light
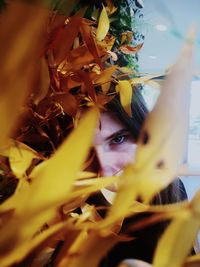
x=161 y=27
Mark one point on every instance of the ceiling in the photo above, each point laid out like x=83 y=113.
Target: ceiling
x=165 y=25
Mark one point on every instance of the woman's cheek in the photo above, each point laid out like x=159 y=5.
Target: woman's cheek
x=129 y=155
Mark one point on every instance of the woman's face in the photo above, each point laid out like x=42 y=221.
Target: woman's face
x=113 y=145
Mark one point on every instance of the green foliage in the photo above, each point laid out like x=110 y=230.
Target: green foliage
x=126 y=18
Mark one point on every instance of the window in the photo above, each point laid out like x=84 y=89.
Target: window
x=192 y=182
x=194 y=128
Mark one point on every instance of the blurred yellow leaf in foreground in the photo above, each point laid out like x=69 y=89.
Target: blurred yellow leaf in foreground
x=22 y=40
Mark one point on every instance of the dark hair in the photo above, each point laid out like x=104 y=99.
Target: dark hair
x=138 y=108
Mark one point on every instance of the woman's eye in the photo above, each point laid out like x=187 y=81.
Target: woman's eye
x=118 y=139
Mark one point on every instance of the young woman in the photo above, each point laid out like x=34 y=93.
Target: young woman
x=114 y=146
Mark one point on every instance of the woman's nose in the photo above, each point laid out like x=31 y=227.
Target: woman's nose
x=106 y=161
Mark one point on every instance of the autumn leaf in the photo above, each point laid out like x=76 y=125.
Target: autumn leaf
x=90 y=41
x=66 y=34
x=36 y=244
x=126 y=37
x=148 y=80
x=93 y=185
x=44 y=175
x=88 y=84
x=19 y=54
x=192 y=261
x=110 y=8
x=105 y=76
x=185 y=224
x=106 y=87
x=20 y=157
x=125 y=92
x=55 y=177
x=107 y=43
x=42 y=81
x=103 y=25
x=85 y=174
x=128 y=49
x=67 y=102
x=156 y=160
x=76 y=59
x=79 y=254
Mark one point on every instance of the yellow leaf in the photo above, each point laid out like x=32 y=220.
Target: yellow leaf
x=192 y=261
x=110 y=7
x=20 y=158
x=164 y=129
x=106 y=87
x=55 y=176
x=126 y=70
x=126 y=194
x=82 y=256
x=144 y=79
x=24 y=246
x=53 y=179
x=103 y=25
x=88 y=186
x=100 y=182
x=84 y=175
x=162 y=141
x=83 y=189
x=19 y=54
x=170 y=250
x=107 y=43
x=105 y=76
x=125 y=92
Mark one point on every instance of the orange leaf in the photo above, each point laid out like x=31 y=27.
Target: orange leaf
x=126 y=36
x=68 y=103
x=110 y=8
x=42 y=83
x=105 y=87
x=70 y=82
x=108 y=42
x=88 y=84
x=105 y=76
x=91 y=43
x=128 y=49
x=55 y=23
x=76 y=59
x=65 y=37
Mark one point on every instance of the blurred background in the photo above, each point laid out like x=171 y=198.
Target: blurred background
x=165 y=26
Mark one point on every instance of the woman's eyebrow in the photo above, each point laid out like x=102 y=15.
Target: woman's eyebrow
x=121 y=131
